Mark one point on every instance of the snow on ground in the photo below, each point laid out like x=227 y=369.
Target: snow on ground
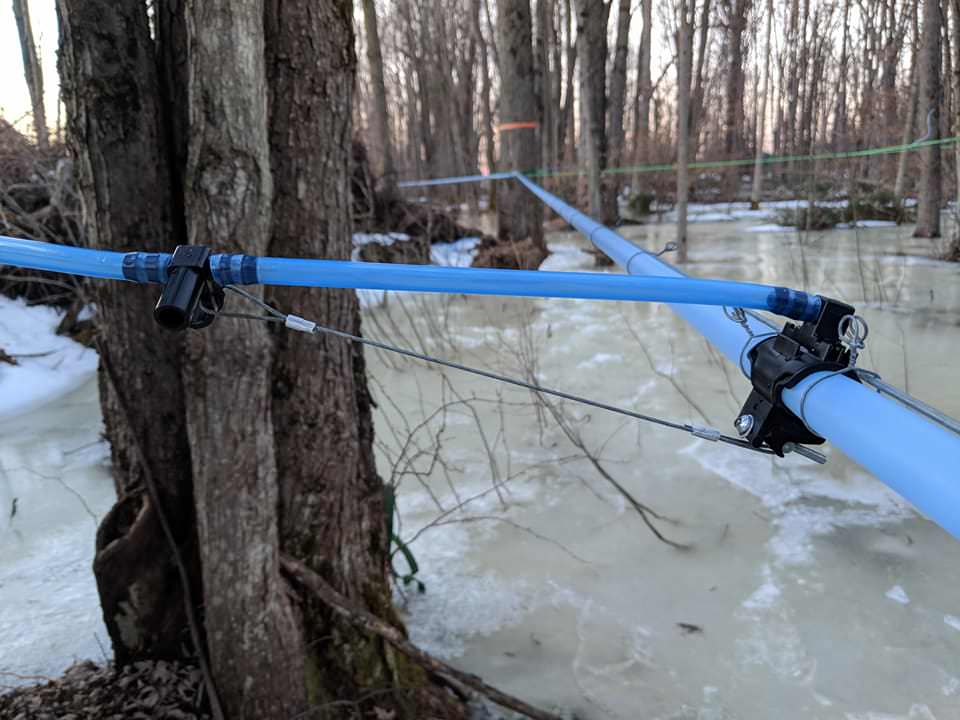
x=361 y=239
x=459 y=253
x=771 y=228
x=48 y=365
x=769 y=210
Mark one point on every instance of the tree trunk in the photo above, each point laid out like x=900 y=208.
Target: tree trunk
x=592 y=17
x=556 y=46
x=684 y=62
x=956 y=115
x=274 y=459
x=762 y=120
x=381 y=117
x=733 y=105
x=518 y=217
x=699 y=84
x=910 y=113
x=928 y=209
x=331 y=500
x=618 y=86
x=251 y=622
x=566 y=132
x=486 y=115
x=644 y=92
x=121 y=153
x=543 y=87
x=840 y=115
x=32 y=70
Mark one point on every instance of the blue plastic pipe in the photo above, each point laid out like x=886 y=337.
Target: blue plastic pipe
x=61 y=258
x=232 y=269
x=456 y=180
x=913 y=456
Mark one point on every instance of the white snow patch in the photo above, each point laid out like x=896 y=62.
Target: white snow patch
x=953 y=621
x=898 y=594
x=771 y=229
x=459 y=253
x=58 y=364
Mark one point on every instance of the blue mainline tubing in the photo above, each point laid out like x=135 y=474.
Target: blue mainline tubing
x=230 y=269
x=912 y=455
x=916 y=458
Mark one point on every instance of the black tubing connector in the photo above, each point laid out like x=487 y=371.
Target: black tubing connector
x=783 y=361
x=190 y=297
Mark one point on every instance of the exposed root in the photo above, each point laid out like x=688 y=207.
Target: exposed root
x=360 y=618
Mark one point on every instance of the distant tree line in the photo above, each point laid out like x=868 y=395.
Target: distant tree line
x=616 y=83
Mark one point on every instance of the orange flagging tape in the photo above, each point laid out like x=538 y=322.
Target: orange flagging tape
x=529 y=125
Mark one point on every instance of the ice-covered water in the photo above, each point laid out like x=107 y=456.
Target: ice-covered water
x=807 y=592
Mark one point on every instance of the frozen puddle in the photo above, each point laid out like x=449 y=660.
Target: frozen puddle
x=807 y=591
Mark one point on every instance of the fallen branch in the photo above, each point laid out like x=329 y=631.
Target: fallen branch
x=367 y=621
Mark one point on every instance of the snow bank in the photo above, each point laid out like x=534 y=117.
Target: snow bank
x=49 y=366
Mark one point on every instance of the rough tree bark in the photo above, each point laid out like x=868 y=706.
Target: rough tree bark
x=517 y=217
x=105 y=60
x=277 y=459
x=250 y=621
x=331 y=500
x=928 y=209
x=32 y=70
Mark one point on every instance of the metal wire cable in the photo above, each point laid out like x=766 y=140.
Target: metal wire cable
x=295 y=322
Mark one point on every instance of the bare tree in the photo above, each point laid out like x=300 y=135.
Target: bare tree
x=910 y=114
x=644 y=93
x=762 y=120
x=684 y=40
x=32 y=70
x=592 y=17
x=618 y=85
x=517 y=217
x=381 y=117
x=928 y=210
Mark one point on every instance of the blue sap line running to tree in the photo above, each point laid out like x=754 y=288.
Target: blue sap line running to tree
x=234 y=269
x=913 y=456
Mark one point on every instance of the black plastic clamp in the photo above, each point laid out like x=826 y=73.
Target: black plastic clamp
x=190 y=297
x=783 y=361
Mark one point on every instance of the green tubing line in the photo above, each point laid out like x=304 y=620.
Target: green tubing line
x=846 y=155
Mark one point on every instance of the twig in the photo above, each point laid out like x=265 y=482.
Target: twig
x=367 y=621
x=517 y=526
x=17 y=676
